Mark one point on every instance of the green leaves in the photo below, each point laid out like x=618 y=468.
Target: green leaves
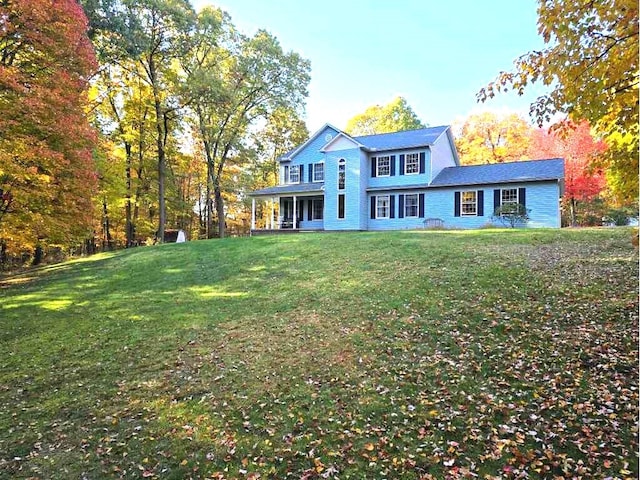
x=396 y=116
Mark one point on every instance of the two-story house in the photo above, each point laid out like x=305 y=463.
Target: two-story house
x=401 y=180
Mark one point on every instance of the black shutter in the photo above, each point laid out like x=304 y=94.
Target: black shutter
x=401 y=204
x=373 y=206
x=310 y=210
x=301 y=173
x=286 y=174
x=373 y=167
x=456 y=204
x=310 y=172
x=401 y=164
x=496 y=199
x=392 y=206
x=522 y=197
x=392 y=161
x=480 y=199
x=421 y=205
x=422 y=162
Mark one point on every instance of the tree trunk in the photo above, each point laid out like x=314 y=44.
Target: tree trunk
x=38 y=255
x=128 y=223
x=105 y=226
x=572 y=212
x=219 y=210
x=160 y=135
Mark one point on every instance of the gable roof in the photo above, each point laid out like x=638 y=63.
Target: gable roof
x=341 y=134
x=291 y=153
x=406 y=139
x=527 y=171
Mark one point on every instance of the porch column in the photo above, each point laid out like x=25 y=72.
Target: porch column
x=273 y=210
x=253 y=213
x=295 y=213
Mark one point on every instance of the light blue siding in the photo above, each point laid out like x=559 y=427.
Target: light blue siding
x=397 y=179
x=352 y=190
x=395 y=223
x=542 y=201
x=309 y=154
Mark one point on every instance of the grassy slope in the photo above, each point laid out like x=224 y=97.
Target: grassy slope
x=365 y=355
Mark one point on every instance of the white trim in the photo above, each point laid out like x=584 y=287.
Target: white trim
x=338 y=206
x=311 y=138
x=405 y=162
x=510 y=203
x=378 y=165
x=341 y=134
x=462 y=214
x=313 y=172
x=313 y=211
x=341 y=162
x=290 y=182
x=417 y=215
x=388 y=197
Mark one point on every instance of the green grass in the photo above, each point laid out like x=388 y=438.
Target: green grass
x=360 y=355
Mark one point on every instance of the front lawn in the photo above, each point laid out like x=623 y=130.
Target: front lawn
x=486 y=354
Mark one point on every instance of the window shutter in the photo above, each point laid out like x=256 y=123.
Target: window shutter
x=309 y=209
x=392 y=161
x=480 y=199
x=401 y=164
x=401 y=203
x=286 y=174
x=373 y=167
x=496 y=199
x=301 y=176
x=456 y=204
x=392 y=206
x=310 y=174
x=422 y=162
x=522 y=197
x=373 y=206
x=421 y=205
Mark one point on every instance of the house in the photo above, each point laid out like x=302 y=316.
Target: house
x=402 y=180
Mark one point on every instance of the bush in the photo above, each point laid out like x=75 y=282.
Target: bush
x=511 y=215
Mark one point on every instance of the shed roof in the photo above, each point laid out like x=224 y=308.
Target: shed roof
x=527 y=171
x=302 y=188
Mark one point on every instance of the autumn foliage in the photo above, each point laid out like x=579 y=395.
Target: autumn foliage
x=46 y=166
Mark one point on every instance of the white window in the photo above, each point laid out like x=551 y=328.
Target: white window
x=509 y=196
x=411 y=205
x=382 y=206
x=469 y=203
x=294 y=174
x=412 y=163
x=318 y=172
x=341 y=173
x=317 y=209
x=383 y=166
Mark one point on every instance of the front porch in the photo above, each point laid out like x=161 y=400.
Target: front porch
x=291 y=213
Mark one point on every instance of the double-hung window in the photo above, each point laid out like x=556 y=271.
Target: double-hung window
x=294 y=174
x=509 y=196
x=411 y=205
x=383 y=166
x=469 y=203
x=382 y=206
x=412 y=163
x=317 y=209
x=318 y=172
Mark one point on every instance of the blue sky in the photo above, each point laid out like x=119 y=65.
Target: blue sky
x=436 y=54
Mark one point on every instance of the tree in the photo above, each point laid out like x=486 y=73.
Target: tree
x=591 y=66
x=489 y=138
x=231 y=82
x=47 y=171
x=580 y=151
x=396 y=116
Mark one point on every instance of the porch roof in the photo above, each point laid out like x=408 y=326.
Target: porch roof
x=303 y=188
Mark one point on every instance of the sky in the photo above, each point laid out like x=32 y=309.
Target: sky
x=436 y=54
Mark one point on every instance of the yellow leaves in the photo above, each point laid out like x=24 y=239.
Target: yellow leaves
x=369 y=447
